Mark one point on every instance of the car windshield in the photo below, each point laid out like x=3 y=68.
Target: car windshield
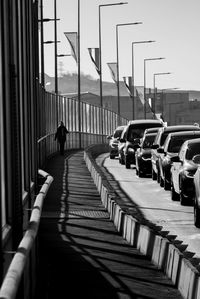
x=175 y=144
x=148 y=141
x=193 y=149
x=137 y=131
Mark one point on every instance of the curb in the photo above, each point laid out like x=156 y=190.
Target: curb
x=162 y=251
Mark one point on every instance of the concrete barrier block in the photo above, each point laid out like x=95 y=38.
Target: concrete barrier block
x=170 y=260
x=145 y=240
x=121 y=222
x=156 y=250
x=117 y=216
x=197 y=289
x=188 y=284
x=112 y=208
x=124 y=226
x=131 y=230
x=163 y=254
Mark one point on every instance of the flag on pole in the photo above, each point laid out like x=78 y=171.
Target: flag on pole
x=72 y=38
x=113 y=69
x=140 y=94
x=128 y=84
x=94 y=55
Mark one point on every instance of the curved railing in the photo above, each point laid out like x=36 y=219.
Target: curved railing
x=13 y=277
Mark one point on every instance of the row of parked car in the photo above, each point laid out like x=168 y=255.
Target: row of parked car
x=168 y=154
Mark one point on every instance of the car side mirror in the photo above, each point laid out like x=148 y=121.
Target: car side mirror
x=196 y=159
x=175 y=159
x=160 y=150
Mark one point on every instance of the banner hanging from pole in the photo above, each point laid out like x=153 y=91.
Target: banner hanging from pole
x=128 y=84
x=94 y=55
x=113 y=69
x=140 y=94
x=72 y=38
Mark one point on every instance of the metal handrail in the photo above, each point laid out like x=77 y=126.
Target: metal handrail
x=12 y=279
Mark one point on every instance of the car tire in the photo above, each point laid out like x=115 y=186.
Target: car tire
x=183 y=199
x=158 y=176
x=136 y=171
x=112 y=157
x=196 y=214
x=167 y=185
x=174 y=196
x=161 y=182
x=127 y=164
x=154 y=175
x=140 y=173
x=120 y=160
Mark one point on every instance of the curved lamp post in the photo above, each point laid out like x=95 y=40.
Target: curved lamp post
x=145 y=60
x=133 y=75
x=117 y=50
x=154 y=87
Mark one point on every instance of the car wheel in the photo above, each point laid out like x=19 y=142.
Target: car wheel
x=154 y=175
x=158 y=176
x=112 y=157
x=167 y=185
x=174 y=196
x=140 y=173
x=120 y=160
x=136 y=171
x=183 y=199
x=161 y=182
x=196 y=214
x=127 y=164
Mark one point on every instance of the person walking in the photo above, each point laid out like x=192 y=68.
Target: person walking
x=61 y=136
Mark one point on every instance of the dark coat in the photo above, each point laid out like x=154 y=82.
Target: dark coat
x=61 y=134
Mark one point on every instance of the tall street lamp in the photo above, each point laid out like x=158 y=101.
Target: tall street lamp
x=100 y=51
x=42 y=21
x=154 y=87
x=133 y=75
x=145 y=60
x=117 y=50
x=100 y=59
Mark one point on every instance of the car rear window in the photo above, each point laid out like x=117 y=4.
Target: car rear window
x=193 y=149
x=175 y=144
x=137 y=131
x=148 y=141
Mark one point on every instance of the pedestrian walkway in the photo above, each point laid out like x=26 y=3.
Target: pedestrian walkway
x=81 y=253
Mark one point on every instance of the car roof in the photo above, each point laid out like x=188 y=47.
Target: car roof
x=120 y=128
x=179 y=128
x=143 y=121
x=184 y=133
x=150 y=134
x=197 y=140
x=152 y=130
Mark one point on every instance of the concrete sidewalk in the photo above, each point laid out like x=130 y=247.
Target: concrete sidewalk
x=81 y=253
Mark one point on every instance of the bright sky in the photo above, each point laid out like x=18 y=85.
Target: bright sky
x=173 y=24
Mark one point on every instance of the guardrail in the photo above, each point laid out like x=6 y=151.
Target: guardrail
x=13 y=277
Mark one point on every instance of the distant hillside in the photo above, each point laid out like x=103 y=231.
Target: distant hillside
x=68 y=84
